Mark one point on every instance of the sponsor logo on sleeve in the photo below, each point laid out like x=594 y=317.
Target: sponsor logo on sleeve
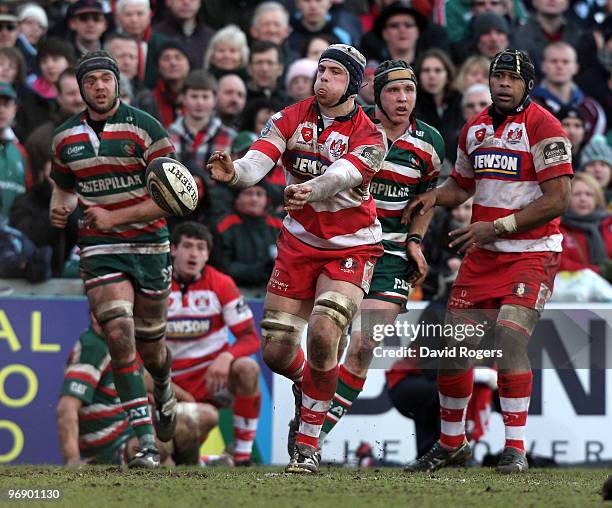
x=371 y=156
x=555 y=152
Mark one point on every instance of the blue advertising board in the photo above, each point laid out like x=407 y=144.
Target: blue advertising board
x=36 y=336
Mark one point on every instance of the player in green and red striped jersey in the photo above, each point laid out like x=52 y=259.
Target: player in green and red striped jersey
x=99 y=162
x=411 y=167
x=93 y=425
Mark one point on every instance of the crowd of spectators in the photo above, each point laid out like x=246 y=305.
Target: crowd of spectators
x=213 y=72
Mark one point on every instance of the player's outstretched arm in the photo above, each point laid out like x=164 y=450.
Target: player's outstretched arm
x=449 y=194
x=145 y=211
x=68 y=429
x=241 y=173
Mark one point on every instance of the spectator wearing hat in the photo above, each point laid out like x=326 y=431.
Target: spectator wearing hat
x=596 y=79
x=15 y=174
x=573 y=123
x=231 y=100
x=461 y=13
x=300 y=79
x=133 y=17
x=88 y=23
x=8 y=27
x=402 y=33
x=247 y=239
x=183 y=22
x=163 y=102
x=54 y=56
x=587 y=229
x=490 y=34
x=548 y=23
x=312 y=17
x=32 y=26
x=557 y=88
x=596 y=160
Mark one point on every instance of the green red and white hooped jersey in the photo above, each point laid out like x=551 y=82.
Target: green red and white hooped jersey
x=298 y=136
x=411 y=167
x=110 y=173
x=88 y=377
x=505 y=167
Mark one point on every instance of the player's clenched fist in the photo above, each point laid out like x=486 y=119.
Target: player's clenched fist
x=221 y=167
x=59 y=216
x=296 y=196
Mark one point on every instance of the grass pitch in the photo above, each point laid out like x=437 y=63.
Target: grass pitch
x=102 y=487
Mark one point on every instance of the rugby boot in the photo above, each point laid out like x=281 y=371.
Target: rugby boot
x=147 y=458
x=439 y=457
x=512 y=461
x=305 y=460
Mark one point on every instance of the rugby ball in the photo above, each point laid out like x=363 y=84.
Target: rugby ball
x=172 y=186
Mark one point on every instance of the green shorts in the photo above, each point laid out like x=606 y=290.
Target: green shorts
x=115 y=453
x=389 y=280
x=151 y=274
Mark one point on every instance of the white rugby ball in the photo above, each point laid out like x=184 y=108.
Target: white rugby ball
x=172 y=186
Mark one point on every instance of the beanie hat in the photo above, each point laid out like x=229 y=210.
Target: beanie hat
x=301 y=67
x=388 y=72
x=569 y=112
x=36 y=12
x=489 y=21
x=597 y=149
x=96 y=61
x=173 y=44
x=352 y=61
x=518 y=62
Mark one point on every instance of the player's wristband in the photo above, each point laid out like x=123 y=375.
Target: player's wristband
x=234 y=179
x=505 y=225
x=416 y=238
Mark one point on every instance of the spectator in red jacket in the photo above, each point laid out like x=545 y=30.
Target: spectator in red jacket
x=587 y=229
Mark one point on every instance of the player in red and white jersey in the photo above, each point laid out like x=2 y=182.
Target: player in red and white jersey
x=204 y=303
x=515 y=160
x=330 y=239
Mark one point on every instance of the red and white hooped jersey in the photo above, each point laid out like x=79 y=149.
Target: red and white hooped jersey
x=199 y=315
x=298 y=135
x=506 y=166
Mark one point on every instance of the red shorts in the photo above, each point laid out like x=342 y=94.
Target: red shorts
x=194 y=382
x=299 y=265
x=488 y=280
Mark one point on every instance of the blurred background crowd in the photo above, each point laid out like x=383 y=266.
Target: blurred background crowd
x=212 y=72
